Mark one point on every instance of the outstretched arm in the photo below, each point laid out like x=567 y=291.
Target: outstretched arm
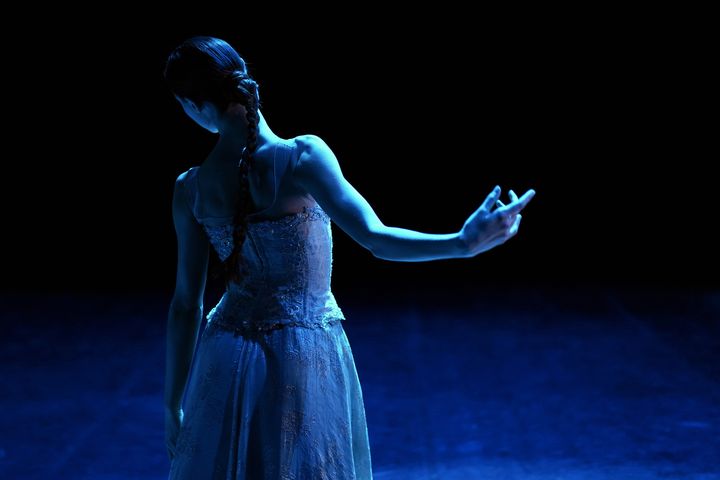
x=186 y=307
x=318 y=172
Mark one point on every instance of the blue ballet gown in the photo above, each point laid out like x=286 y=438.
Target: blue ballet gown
x=273 y=391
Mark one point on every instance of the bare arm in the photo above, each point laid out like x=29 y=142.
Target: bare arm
x=186 y=307
x=319 y=173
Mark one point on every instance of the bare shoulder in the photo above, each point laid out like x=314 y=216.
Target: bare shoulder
x=319 y=173
x=310 y=140
x=182 y=179
x=312 y=148
x=181 y=205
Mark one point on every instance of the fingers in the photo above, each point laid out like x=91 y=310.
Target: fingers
x=517 y=204
x=513 y=198
x=491 y=199
x=515 y=226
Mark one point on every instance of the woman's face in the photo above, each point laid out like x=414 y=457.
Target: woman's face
x=203 y=115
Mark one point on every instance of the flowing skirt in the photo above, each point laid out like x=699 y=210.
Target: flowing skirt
x=281 y=405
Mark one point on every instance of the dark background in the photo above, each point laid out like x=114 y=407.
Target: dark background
x=587 y=343
x=606 y=117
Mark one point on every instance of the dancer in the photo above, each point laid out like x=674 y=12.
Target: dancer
x=272 y=391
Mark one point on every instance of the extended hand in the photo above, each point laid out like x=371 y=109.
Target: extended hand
x=485 y=228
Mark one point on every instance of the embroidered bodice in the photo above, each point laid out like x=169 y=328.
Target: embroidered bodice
x=287 y=268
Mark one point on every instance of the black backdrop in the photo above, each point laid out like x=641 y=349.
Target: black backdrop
x=606 y=120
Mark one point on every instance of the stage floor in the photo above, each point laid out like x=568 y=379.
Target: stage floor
x=526 y=384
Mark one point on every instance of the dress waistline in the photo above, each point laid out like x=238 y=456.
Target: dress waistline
x=257 y=329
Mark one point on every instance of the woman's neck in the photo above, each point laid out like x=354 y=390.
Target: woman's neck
x=234 y=137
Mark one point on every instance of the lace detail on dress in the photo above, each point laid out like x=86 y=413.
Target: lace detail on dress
x=248 y=329
x=247 y=313
x=221 y=236
x=306 y=214
x=287 y=272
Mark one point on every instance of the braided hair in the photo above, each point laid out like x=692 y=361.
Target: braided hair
x=207 y=69
x=246 y=90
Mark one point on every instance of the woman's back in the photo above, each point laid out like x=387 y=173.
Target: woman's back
x=273 y=189
x=287 y=261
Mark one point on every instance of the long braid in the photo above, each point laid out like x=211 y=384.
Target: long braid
x=245 y=91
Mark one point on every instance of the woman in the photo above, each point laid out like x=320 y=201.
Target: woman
x=273 y=392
